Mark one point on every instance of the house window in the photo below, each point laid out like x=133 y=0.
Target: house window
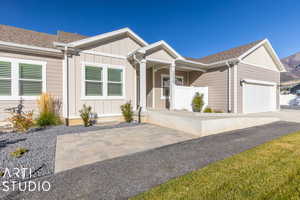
x=102 y=81
x=114 y=85
x=30 y=79
x=165 y=84
x=21 y=78
x=93 y=81
x=5 y=78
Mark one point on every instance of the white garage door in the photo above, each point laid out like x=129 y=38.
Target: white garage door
x=258 y=98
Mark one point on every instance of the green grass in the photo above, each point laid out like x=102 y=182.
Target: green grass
x=268 y=171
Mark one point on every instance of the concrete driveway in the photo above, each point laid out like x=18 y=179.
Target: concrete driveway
x=126 y=176
x=75 y=150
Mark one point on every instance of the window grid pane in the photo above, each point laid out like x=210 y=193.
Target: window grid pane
x=93 y=88
x=5 y=69
x=5 y=87
x=93 y=73
x=30 y=88
x=115 y=89
x=30 y=71
x=114 y=75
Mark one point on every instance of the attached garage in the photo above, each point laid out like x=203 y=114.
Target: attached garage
x=259 y=96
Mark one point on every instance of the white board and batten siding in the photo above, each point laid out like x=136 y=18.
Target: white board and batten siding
x=183 y=97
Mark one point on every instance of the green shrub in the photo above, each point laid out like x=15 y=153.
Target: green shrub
x=49 y=110
x=48 y=119
x=127 y=111
x=85 y=114
x=19 y=152
x=208 y=110
x=197 y=102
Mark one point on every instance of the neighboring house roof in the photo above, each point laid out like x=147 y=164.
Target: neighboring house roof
x=225 y=55
x=34 y=38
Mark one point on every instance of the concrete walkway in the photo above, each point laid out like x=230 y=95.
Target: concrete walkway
x=126 y=176
x=75 y=150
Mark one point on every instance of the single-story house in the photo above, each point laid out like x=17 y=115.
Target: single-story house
x=107 y=70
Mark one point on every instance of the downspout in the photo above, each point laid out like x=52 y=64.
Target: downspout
x=229 y=87
x=67 y=88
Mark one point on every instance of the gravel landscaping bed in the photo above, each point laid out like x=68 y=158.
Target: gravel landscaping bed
x=41 y=145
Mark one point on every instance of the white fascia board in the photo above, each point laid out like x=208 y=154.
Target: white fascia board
x=162 y=43
x=107 y=35
x=192 y=64
x=270 y=49
x=259 y=82
x=29 y=47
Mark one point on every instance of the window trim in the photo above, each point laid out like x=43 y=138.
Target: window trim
x=93 y=81
x=104 y=81
x=10 y=79
x=15 y=77
x=161 y=83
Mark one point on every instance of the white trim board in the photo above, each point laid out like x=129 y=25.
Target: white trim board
x=108 y=35
x=258 y=82
x=103 y=54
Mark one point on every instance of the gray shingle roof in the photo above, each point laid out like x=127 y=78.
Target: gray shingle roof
x=33 y=38
x=225 y=55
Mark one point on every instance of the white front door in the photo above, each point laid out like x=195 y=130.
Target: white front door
x=258 y=98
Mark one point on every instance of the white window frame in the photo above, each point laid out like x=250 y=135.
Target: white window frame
x=15 y=78
x=161 y=84
x=104 y=81
x=84 y=79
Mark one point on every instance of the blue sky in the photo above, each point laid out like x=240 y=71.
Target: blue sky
x=193 y=28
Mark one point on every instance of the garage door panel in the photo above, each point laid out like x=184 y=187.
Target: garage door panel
x=258 y=98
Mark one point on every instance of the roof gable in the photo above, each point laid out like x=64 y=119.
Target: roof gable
x=160 y=45
x=107 y=36
x=262 y=58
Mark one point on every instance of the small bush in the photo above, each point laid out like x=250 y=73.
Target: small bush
x=48 y=119
x=127 y=112
x=19 y=152
x=208 y=110
x=197 y=102
x=85 y=114
x=21 y=121
x=49 y=109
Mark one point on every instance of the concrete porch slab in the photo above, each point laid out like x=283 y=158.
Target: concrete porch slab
x=203 y=124
x=75 y=150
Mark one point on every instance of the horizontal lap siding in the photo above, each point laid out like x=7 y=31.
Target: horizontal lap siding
x=53 y=79
x=217 y=81
x=121 y=46
x=246 y=71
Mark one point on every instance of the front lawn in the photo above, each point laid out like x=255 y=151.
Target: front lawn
x=269 y=171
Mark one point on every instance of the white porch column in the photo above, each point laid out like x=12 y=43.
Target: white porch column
x=143 y=84
x=172 y=85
